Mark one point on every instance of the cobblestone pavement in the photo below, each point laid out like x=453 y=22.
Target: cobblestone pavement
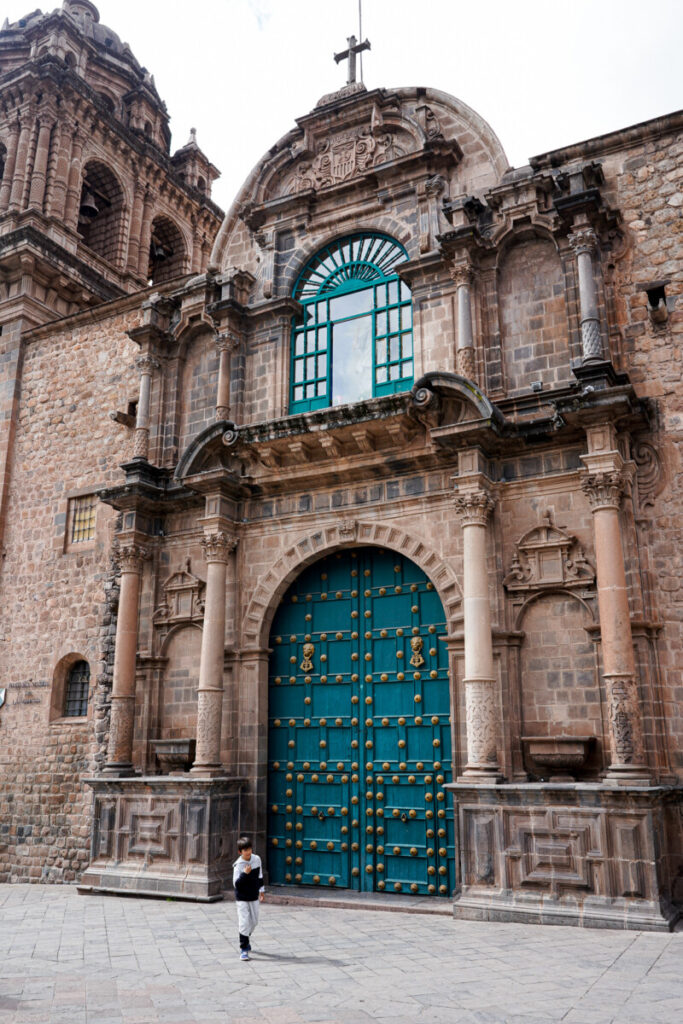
x=76 y=959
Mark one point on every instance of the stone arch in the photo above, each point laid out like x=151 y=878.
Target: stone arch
x=344 y=534
x=590 y=611
x=101 y=211
x=60 y=676
x=167 y=250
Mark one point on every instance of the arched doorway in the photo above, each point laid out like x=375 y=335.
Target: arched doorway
x=359 y=729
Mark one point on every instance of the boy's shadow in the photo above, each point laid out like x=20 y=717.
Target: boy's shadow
x=298 y=959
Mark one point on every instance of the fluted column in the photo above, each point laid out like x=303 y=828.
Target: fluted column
x=145 y=234
x=226 y=345
x=584 y=243
x=136 y=227
x=474 y=507
x=146 y=365
x=57 y=187
x=217 y=548
x=120 y=753
x=605 y=488
x=19 y=176
x=39 y=175
x=10 y=164
x=465 y=362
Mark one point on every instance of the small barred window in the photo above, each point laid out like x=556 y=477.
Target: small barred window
x=77 y=686
x=82 y=519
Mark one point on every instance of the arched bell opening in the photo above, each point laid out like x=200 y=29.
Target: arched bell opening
x=359 y=729
x=100 y=211
x=167 y=256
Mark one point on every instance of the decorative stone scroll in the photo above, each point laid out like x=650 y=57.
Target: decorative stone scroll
x=548 y=557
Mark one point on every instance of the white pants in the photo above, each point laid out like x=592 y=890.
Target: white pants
x=247 y=916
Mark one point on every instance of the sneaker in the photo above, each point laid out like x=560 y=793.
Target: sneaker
x=244 y=955
x=249 y=948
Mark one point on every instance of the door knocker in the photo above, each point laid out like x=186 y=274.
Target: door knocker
x=416 y=645
x=307 y=664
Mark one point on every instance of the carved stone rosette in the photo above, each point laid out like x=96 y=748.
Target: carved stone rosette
x=474 y=508
x=218 y=546
x=626 y=734
x=604 y=489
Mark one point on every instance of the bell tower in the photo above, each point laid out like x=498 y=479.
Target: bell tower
x=92 y=203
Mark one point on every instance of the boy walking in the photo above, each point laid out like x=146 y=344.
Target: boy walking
x=247 y=879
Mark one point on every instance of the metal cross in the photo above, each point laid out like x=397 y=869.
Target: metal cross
x=354 y=48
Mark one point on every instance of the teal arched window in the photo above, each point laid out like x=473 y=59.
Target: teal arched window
x=355 y=340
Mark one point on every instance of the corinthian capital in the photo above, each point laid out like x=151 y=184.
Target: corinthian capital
x=147 y=364
x=604 y=489
x=583 y=240
x=131 y=556
x=228 y=341
x=462 y=273
x=474 y=508
x=218 y=545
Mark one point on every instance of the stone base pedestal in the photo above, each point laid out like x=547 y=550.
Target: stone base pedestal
x=163 y=836
x=597 y=855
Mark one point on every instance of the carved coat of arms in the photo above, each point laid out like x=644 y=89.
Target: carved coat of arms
x=342 y=157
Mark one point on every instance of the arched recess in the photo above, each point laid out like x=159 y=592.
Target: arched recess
x=60 y=678
x=3 y=159
x=167 y=251
x=100 y=215
x=533 y=313
x=347 y=533
x=197 y=383
x=558 y=671
x=178 y=697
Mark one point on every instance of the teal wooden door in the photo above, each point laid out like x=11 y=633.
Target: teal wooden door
x=359 y=729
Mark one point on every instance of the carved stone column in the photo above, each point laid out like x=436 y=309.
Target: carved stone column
x=57 y=188
x=146 y=365
x=145 y=234
x=20 y=165
x=226 y=344
x=604 y=488
x=10 y=163
x=135 y=227
x=217 y=548
x=39 y=175
x=465 y=363
x=120 y=753
x=73 y=190
x=584 y=243
x=481 y=706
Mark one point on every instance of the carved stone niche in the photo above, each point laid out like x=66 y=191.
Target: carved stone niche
x=548 y=558
x=183 y=599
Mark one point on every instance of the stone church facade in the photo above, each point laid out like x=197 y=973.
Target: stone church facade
x=351 y=518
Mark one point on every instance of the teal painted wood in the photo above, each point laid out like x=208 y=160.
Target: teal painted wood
x=355 y=338
x=359 y=729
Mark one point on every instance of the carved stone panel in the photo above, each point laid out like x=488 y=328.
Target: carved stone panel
x=547 y=557
x=183 y=599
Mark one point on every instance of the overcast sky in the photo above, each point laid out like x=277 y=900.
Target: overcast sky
x=543 y=73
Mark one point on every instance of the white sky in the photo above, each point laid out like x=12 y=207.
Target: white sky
x=543 y=73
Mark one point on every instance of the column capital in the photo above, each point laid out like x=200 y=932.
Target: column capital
x=474 y=507
x=462 y=273
x=131 y=556
x=147 y=363
x=218 y=545
x=583 y=240
x=227 y=341
x=605 y=488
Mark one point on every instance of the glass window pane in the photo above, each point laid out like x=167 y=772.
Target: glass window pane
x=405 y=292
x=310 y=341
x=310 y=391
x=299 y=370
x=381 y=321
x=308 y=313
x=298 y=393
x=394 y=371
x=299 y=345
x=393 y=292
x=351 y=305
x=322 y=388
x=381 y=374
x=310 y=367
x=406 y=316
x=381 y=351
x=394 y=349
x=352 y=360
x=393 y=319
x=322 y=366
x=407 y=368
x=381 y=295
x=321 y=311
x=406 y=344
x=322 y=339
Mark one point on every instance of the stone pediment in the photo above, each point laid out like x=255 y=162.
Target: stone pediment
x=183 y=597
x=546 y=557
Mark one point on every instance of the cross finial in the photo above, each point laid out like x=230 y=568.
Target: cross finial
x=350 y=54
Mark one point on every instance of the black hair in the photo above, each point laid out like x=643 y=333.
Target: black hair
x=244 y=843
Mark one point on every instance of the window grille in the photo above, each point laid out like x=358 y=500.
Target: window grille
x=355 y=340
x=83 y=513
x=77 y=686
